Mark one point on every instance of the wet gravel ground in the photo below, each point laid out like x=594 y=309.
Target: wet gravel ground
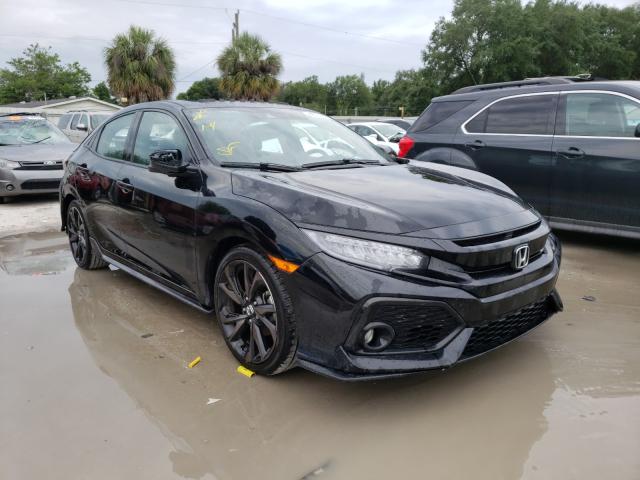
x=94 y=384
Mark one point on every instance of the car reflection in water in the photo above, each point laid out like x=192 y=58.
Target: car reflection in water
x=442 y=421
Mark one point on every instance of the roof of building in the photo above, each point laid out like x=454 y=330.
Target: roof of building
x=56 y=101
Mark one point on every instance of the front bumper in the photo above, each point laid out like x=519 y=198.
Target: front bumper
x=437 y=325
x=28 y=182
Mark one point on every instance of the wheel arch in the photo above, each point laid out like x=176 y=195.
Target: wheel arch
x=448 y=156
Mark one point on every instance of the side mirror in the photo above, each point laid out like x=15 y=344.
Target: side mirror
x=637 y=133
x=81 y=126
x=169 y=162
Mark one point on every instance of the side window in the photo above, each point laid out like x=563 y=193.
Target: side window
x=84 y=120
x=64 y=121
x=600 y=115
x=530 y=115
x=158 y=131
x=74 y=121
x=113 y=138
x=438 y=112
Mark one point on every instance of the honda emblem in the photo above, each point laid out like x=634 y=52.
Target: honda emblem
x=520 y=257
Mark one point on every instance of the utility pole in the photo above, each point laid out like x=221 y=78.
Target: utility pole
x=235 y=31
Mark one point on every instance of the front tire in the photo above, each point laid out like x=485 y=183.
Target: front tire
x=79 y=241
x=254 y=312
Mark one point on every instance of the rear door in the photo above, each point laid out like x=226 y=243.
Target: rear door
x=511 y=139
x=597 y=178
x=160 y=223
x=97 y=181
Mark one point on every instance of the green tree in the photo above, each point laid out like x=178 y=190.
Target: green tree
x=101 y=92
x=140 y=66
x=249 y=69
x=488 y=41
x=308 y=93
x=349 y=93
x=207 y=88
x=411 y=89
x=39 y=74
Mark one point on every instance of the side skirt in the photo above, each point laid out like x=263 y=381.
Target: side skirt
x=154 y=283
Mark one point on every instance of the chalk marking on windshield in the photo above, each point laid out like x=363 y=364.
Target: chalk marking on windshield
x=228 y=150
x=198 y=116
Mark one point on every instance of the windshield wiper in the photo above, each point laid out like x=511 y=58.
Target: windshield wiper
x=343 y=161
x=274 y=167
x=41 y=140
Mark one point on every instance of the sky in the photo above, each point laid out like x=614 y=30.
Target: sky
x=326 y=38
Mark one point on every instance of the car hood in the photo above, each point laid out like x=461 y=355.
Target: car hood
x=37 y=153
x=392 y=199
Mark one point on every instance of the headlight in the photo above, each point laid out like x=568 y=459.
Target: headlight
x=8 y=164
x=382 y=256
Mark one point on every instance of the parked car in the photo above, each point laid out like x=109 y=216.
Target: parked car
x=570 y=147
x=32 y=151
x=379 y=133
x=77 y=125
x=352 y=267
x=403 y=123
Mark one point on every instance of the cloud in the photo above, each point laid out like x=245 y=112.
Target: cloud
x=315 y=37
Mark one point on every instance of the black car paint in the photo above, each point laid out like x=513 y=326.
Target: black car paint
x=172 y=232
x=595 y=190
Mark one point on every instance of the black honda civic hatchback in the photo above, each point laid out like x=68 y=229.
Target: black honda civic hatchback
x=308 y=245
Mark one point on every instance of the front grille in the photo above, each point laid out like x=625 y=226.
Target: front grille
x=40 y=166
x=498 y=237
x=40 y=184
x=500 y=331
x=417 y=326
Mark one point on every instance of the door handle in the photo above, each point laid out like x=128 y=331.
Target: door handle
x=477 y=145
x=125 y=185
x=571 y=153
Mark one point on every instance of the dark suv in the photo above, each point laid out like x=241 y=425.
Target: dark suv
x=570 y=147
x=333 y=257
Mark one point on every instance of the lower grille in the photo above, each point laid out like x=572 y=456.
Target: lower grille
x=417 y=326
x=40 y=184
x=506 y=328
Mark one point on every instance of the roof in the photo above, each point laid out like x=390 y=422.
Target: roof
x=515 y=88
x=57 y=101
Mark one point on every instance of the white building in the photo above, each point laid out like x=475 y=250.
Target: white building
x=53 y=109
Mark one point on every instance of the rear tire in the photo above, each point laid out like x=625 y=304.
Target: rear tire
x=254 y=312
x=82 y=249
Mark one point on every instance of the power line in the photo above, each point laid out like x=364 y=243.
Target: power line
x=277 y=17
x=97 y=39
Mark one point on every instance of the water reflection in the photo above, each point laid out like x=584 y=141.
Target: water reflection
x=35 y=253
x=480 y=419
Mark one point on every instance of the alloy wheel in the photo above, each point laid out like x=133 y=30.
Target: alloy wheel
x=247 y=311
x=77 y=235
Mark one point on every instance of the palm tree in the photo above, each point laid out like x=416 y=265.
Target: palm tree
x=140 y=66
x=249 y=69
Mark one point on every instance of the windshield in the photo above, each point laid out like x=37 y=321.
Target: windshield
x=19 y=130
x=275 y=135
x=388 y=129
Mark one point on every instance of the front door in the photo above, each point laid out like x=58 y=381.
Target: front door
x=597 y=176
x=161 y=219
x=511 y=140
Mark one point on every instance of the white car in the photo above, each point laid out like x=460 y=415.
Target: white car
x=379 y=133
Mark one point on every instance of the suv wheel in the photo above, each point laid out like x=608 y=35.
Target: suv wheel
x=254 y=312
x=79 y=241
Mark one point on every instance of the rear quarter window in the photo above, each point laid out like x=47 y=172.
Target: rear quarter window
x=438 y=112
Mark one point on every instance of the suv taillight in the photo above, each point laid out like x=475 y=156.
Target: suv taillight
x=405 y=145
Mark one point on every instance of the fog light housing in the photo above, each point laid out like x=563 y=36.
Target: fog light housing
x=377 y=336
x=10 y=187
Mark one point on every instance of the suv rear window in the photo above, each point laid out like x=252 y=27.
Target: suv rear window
x=437 y=112
x=530 y=115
